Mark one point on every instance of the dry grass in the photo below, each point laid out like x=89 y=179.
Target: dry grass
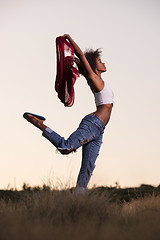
x=60 y=215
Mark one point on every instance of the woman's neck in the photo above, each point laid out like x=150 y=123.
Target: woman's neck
x=98 y=73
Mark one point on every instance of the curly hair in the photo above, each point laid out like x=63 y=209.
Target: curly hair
x=91 y=56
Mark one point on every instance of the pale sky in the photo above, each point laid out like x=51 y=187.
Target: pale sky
x=128 y=31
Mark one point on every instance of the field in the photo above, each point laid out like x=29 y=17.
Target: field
x=42 y=213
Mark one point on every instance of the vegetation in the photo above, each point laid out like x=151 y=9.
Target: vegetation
x=37 y=213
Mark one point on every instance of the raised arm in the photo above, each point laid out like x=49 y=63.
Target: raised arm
x=95 y=82
x=89 y=72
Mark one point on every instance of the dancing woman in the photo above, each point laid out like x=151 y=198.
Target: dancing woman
x=90 y=131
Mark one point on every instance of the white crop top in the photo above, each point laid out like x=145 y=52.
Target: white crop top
x=105 y=96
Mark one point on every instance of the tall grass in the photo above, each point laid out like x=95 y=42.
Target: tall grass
x=62 y=215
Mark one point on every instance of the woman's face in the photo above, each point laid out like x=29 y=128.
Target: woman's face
x=100 y=65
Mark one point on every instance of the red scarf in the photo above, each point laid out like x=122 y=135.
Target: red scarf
x=66 y=72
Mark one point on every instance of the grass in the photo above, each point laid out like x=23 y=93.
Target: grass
x=102 y=213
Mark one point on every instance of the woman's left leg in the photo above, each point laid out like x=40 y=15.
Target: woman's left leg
x=90 y=152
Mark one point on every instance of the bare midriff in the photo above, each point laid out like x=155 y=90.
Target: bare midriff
x=104 y=112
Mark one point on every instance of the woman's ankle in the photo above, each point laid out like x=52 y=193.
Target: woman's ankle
x=43 y=127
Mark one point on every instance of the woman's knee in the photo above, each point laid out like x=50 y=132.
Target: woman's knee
x=66 y=151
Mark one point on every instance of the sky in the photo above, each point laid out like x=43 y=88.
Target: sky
x=128 y=31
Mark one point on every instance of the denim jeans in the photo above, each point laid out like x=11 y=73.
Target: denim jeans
x=88 y=135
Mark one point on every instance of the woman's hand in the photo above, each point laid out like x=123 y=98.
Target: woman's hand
x=81 y=57
x=76 y=60
x=66 y=36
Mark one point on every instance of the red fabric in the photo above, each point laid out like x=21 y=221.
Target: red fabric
x=66 y=72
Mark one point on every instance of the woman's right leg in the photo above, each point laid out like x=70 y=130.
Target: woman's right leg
x=59 y=142
x=84 y=134
x=78 y=138
x=63 y=146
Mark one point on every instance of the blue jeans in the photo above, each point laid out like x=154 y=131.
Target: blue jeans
x=88 y=135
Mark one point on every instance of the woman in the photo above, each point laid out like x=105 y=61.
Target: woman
x=90 y=131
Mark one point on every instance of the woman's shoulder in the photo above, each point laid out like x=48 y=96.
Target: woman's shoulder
x=96 y=83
